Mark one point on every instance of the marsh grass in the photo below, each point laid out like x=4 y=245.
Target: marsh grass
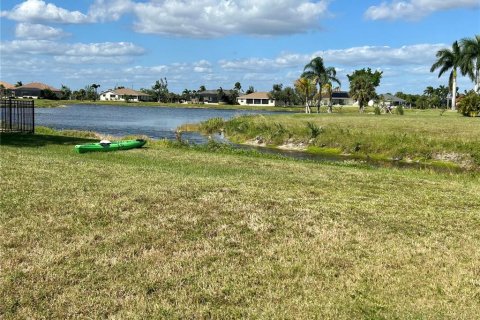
x=414 y=136
x=171 y=231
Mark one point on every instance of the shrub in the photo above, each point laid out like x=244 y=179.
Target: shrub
x=469 y=106
x=377 y=110
x=212 y=125
x=400 y=110
x=314 y=130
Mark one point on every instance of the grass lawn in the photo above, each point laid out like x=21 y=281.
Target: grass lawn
x=43 y=103
x=419 y=135
x=169 y=232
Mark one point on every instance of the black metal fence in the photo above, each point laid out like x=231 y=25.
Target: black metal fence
x=17 y=116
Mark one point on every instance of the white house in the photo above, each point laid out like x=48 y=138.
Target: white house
x=256 y=99
x=122 y=95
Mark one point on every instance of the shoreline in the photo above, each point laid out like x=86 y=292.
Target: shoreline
x=41 y=103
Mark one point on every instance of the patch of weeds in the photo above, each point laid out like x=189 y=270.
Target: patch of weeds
x=314 y=130
x=400 y=111
x=212 y=125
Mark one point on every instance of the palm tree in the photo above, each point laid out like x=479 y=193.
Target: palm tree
x=18 y=84
x=429 y=91
x=95 y=86
x=328 y=92
x=321 y=75
x=449 y=59
x=471 y=56
x=237 y=86
x=307 y=88
x=362 y=89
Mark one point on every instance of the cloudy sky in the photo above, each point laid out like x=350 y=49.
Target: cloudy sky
x=219 y=42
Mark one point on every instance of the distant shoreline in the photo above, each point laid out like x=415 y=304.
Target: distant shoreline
x=42 y=103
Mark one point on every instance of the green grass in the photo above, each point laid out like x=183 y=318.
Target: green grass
x=177 y=232
x=418 y=135
x=43 y=103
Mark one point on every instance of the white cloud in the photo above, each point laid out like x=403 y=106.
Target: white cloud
x=192 y=18
x=72 y=53
x=38 y=31
x=366 y=56
x=110 y=10
x=415 y=9
x=382 y=55
x=40 y=11
x=212 y=18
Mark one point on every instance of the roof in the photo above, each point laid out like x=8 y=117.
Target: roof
x=256 y=95
x=390 y=97
x=340 y=95
x=213 y=92
x=37 y=85
x=127 y=92
x=7 y=85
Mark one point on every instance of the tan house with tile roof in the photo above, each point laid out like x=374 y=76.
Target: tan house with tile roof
x=122 y=94
x=6 y=85
x=34 y=90
x=256 y=99
x=6 y=89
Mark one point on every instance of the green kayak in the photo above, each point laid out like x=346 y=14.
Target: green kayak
x=110 y=146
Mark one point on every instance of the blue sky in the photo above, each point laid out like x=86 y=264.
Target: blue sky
x=217 y=43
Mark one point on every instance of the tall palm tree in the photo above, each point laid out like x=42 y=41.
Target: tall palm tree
x=322 y=75
x=471 y=56
x=306 y=87
x=95 y=86
x=449 y=59
x=328 y=93
x=429 y=91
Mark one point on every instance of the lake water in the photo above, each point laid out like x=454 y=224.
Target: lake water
x=154 y=122
x=160 y=123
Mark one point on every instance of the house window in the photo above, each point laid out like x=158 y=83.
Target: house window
x=249 y=101
x=257 y=101
x=264 y=101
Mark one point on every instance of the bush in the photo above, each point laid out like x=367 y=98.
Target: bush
x=377 y=110
x=314 y=130
x=400 y=110
x=212 y=125
x=469 y=106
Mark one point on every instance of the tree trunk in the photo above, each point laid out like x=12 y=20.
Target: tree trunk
x=319 y=100
x=454 y=89
x=477 y=80
x=330 y=105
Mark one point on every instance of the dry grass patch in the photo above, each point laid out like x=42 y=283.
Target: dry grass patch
x=176 y=233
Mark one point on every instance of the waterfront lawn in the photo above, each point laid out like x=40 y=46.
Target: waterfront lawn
x=44 y=103
x=423 y=135
x=168 y=232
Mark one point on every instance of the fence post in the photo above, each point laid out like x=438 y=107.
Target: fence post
x=10 y=112
x=33 y=116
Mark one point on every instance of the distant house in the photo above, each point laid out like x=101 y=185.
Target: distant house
x=209 y=96
x=391 y=100
x=341 y=98
x=35 y=90
x=6 y=89
x=122 y=95
x=256 y=99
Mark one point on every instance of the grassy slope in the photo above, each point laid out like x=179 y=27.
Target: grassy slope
x=417 y=134
x=173 y=233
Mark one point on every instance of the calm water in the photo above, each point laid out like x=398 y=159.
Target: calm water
x=157 y=123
